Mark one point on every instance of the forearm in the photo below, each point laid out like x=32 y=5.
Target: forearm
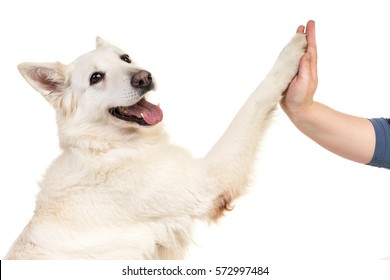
x=345 y=135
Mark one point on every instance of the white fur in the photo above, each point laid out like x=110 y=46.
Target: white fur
x=123 y=191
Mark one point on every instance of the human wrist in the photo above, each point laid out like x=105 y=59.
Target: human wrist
x=301 y=114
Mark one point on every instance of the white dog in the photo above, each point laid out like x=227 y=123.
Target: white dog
x=120 y=189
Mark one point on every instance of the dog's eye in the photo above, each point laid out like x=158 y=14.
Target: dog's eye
x=96 y=77
x=125 y=58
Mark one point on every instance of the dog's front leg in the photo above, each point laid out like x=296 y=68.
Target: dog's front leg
x=230 y=161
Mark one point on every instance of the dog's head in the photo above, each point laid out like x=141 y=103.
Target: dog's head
x=100 y=88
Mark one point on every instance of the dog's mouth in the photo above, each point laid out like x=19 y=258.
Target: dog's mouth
x=143 y=113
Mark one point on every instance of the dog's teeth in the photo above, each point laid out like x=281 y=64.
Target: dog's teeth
x=142 y=115
x=122 y=110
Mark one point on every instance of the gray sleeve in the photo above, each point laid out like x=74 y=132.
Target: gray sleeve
x=381 y=156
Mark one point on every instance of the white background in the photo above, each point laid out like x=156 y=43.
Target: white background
x=207 y=57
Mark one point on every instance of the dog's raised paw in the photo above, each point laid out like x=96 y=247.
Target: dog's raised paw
x=292 y=53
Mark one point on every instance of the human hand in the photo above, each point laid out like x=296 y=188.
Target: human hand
x=299 y=95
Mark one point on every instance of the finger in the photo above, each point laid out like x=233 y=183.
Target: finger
x=311 y=35
x=312 y=45
x=301 y=29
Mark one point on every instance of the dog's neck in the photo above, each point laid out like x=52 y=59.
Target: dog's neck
x=90 y=139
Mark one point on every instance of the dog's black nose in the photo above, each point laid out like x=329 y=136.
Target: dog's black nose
x=142 y=79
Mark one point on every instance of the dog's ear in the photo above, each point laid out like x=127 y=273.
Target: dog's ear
x=51 y=80
x=47 y=78
x=101 y=43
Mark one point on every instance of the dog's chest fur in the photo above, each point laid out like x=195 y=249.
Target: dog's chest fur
x=124 y=190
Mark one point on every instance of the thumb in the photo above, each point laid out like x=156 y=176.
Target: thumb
x=304 y=69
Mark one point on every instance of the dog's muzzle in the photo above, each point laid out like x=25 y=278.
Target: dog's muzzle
x=143 y=112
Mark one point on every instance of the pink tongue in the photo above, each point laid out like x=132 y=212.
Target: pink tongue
x=151 y=113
